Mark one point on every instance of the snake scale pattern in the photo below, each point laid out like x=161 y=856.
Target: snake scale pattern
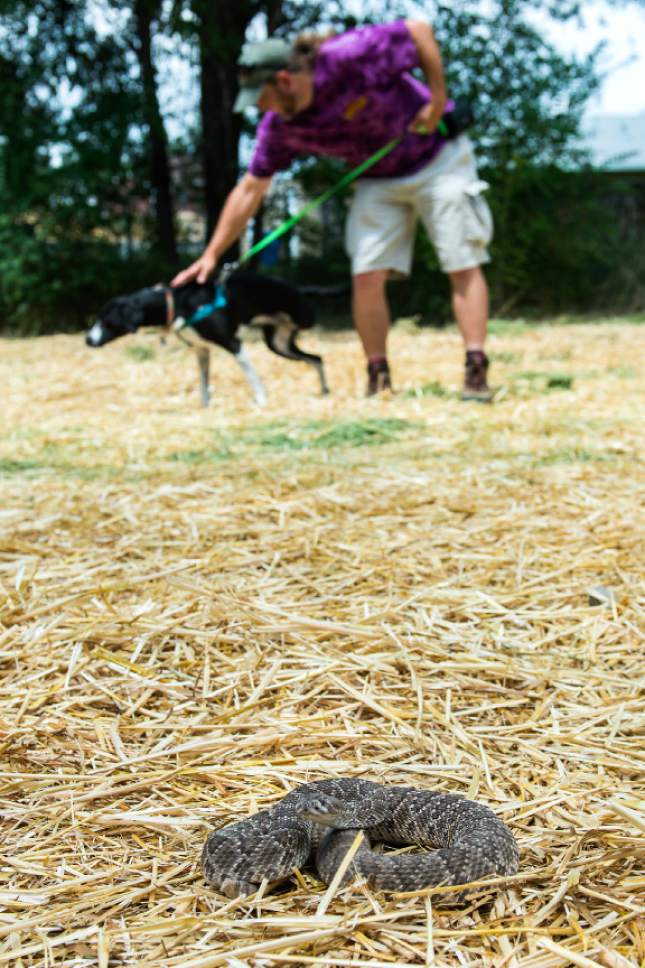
x=317 y=822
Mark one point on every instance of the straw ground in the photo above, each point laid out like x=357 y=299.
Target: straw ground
x=201 y=609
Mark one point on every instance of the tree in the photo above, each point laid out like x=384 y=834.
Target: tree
x=145 y=14
x=219 y=32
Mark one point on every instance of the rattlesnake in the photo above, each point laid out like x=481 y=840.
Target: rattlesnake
x=317 y=822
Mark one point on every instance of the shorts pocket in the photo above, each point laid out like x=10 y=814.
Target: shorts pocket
x=477 y=214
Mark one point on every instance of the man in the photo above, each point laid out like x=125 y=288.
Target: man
x=347 y=96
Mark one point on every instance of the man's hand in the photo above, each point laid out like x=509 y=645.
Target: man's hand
x=241 y=205
x=428 y=117
x=200 y=270
x=430 y=62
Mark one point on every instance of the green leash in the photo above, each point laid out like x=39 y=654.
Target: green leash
x=347 y=179
x=344 y=181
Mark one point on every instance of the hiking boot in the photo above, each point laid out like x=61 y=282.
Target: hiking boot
x=475 y=383
x=378 y=376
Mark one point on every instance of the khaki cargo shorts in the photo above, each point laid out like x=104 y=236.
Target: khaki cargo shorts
x=446 y=196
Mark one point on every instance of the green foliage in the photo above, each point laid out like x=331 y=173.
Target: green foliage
x=48 y=285
x=70 y=167
x=313 y=435
x=75 y=186
x=140 y=353
x=70 y=154
x=545 y=381
x=322 y=434
x=562 y=242
x=528 y=98
x=432 y=389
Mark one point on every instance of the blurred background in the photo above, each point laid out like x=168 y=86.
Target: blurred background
x=118 y=146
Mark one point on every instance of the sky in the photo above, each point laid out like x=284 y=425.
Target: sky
x=623 y=61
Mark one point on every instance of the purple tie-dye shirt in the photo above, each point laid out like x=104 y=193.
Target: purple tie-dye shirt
x=363 y=98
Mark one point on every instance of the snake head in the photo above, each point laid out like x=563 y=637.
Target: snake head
x=326 y=809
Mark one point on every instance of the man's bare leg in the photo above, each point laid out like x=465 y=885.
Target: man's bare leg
x=372 y=320
x=470 y=306
x=371 y=311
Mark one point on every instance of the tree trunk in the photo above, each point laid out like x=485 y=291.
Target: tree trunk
x=221 y=34
x=222 y=29
x=144 y=13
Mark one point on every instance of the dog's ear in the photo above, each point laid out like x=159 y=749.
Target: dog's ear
x=121 y=316
x=139 y=309
x=129 y=313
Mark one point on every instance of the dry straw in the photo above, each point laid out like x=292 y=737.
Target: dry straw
x=201 y=609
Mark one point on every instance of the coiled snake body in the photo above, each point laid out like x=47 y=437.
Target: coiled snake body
x=317 y=822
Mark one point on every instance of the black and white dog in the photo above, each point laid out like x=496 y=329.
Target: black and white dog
x=211 y=314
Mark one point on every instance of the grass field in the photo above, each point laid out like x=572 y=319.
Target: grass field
x=202 y=608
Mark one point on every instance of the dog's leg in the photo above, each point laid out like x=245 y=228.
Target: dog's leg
x=203 y=358
x=249 y=372
x=279 y=333
x=324 y=386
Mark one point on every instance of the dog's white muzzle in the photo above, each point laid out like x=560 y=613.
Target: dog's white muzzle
x=95 y=335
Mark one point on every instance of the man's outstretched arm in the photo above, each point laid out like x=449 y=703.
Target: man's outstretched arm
x=240 y=206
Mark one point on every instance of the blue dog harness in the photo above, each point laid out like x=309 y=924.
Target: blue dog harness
x=219 y=302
